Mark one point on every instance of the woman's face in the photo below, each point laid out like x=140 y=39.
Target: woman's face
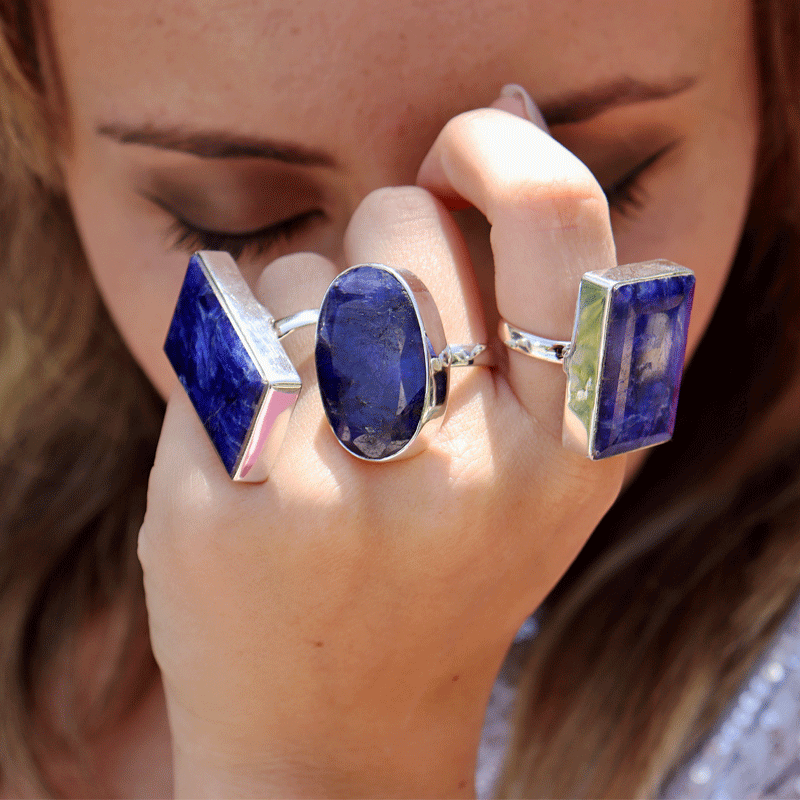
x=258 y=127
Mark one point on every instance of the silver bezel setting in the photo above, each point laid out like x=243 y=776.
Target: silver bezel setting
x=434 y=343
x=584 y=360
x=255 y=327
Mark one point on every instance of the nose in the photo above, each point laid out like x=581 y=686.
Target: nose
x=390 y=130
x=390 y=156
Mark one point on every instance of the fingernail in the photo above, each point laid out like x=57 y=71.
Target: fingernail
x=515 y=92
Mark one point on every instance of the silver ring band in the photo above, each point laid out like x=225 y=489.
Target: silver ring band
x=532 y=345
x=466 y=355
x=301 y=319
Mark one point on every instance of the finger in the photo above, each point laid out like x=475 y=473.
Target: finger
x=407 y=227
x=190 y=489
x=188 y=486
x=550 y=224
x=295 y=283
x=290 y=284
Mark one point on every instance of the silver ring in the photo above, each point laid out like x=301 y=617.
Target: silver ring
x=225 y=349
x=383 y=362
x=624 y=362
x=532 y=345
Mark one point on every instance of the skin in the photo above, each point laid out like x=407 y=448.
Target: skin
x=324 y=564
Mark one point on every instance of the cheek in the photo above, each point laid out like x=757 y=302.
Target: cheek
x=137 y=277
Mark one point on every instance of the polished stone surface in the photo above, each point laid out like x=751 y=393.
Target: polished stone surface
x=641 y=375
x=213 y=365
x=371 y=362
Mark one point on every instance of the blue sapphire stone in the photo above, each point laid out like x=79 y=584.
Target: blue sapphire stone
x=641 y=375
x=213 y=365
x=372 y=364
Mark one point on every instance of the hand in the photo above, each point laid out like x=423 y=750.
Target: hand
x=336 y=630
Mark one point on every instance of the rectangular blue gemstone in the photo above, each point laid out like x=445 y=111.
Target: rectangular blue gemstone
x=641 y=375
x=214 y=366
x=629 y=348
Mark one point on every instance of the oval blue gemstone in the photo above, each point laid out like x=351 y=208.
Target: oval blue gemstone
x=371 y=362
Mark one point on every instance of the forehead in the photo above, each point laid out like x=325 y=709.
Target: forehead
x=305 y=60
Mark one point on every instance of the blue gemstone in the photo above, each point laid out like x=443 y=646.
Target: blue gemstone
x=213 y=365
x=372 y=364
x=641 y=374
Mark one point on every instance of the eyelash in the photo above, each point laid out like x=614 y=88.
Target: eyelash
x=627 y=196
x=185 y=236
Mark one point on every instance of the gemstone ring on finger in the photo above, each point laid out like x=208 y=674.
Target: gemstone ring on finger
x=225 y=349
x=625 y=361
x=383 y=362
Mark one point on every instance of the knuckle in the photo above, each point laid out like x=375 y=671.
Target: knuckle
x=461 y=125
x=586 y=485
x=180 y=534
x=390 y=206
x=144 y=547
x=572 y=202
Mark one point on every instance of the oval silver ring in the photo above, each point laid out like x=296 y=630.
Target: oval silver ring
x=383 y=362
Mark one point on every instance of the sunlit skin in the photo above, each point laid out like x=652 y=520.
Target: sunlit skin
x=238 y=116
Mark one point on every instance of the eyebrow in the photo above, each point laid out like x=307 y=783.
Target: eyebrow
x=214 y=144
x=578 y=106
x=584 y=104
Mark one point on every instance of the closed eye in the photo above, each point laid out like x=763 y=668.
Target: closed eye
x=183 y=235
x=626 y=195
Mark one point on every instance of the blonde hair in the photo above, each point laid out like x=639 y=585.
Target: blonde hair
x=78 y=426
x=643 y=641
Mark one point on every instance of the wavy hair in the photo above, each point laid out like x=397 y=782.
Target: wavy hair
x=78 y=428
